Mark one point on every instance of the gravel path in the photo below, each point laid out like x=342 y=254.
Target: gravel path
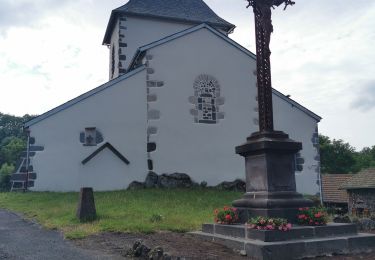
x=21 y=239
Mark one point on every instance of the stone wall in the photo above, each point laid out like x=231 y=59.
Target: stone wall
x=362 y=202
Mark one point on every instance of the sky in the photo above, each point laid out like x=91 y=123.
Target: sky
x=323 y=55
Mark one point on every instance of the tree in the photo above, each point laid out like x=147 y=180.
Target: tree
x=366 y=158
x=337 y=156
x=5 y=171
x=11 y=149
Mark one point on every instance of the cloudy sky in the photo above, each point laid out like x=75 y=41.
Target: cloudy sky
x=323 y=56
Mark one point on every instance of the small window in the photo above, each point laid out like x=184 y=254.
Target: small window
x=90 y=136
x=113 y=61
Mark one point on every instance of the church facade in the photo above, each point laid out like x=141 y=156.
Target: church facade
x=181 y=95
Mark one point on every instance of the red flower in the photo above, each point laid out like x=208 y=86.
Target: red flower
x=301 y=216
x=228 y=217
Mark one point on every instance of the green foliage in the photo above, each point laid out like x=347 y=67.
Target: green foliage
x=226 y=215
x=338 y=157
x=11 y=149
x=314 y=216
x=269 y=223
x=12 y=143
x=121 y=211
x=5 y=171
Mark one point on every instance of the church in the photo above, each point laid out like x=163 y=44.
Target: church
x=181 y=95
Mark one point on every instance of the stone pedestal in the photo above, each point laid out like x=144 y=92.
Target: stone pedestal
x=270 y=177
x=86 y=210
x=297 y=243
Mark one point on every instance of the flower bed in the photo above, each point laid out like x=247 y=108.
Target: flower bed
x=227 y=215
x=312 y=216
x=266 y=223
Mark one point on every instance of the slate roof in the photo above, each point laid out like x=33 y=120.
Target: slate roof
x=331 y=184
x=189 y=11
x=363 y=180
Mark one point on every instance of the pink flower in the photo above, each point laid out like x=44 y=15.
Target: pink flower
x=269 y=227
x=289 y=226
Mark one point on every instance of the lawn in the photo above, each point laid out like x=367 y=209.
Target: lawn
x=124 y=211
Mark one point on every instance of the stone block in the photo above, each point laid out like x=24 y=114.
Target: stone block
x=362 y=242
x=86 y=210
x=277 y=235
x=208 y=228
x=275 y=251
x=231 y=230
x=320 y=247
x=335 y=229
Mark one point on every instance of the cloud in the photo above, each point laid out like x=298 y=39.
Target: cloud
x=365 y=100
x=26 y=13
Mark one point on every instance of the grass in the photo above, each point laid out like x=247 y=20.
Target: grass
x=179 y=210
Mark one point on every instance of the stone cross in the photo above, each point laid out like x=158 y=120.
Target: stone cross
x=263 y=30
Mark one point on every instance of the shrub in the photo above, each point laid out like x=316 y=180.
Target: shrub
x=312 y=216
x=227 y=215
x=266 y=223
x=5 y=171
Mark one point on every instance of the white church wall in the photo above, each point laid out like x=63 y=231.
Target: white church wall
x=136 y=32
x=301 y=128
x=206 y=151
x=119 y=113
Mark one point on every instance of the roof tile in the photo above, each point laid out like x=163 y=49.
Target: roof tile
x=331 y=187
x=363 y=180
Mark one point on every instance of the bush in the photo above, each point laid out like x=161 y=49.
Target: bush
x=312 y=216
x=5 y=171
x=227 y=215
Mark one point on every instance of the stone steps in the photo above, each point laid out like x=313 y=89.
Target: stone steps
x=299 y=242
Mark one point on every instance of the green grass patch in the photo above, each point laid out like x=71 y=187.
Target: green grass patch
x=144 y=211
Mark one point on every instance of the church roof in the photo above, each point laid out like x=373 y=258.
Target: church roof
x=188 y=11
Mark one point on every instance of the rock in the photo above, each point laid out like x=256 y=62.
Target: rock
x=86 y=210
x=243 y=253
x=136 y=185
x=156 y=253
x=366 y=224
x=151 y=180
x=139 y=250
x=237 y=185
x=342 y=219
x=175 y=180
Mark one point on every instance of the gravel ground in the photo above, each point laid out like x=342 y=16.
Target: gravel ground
x=21 y=239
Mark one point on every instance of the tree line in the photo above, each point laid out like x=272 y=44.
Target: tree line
x=12 y=143
x=336 y=156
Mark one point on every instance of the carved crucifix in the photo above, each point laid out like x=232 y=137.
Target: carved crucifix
x=263 y=30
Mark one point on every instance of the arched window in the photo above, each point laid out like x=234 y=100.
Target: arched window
x=206 y=92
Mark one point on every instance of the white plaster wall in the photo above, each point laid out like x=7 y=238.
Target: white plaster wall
x=119 y=113
x=142 y=31
x=301 y=128
x=206 y=152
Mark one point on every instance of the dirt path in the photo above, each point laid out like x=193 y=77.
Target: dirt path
x=20 y=239
x=25 y=240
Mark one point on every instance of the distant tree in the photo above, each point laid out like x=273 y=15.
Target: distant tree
x=11 y=149
x=366 y=158
x=337 y=156
x=5 y=171
x=12 y=125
